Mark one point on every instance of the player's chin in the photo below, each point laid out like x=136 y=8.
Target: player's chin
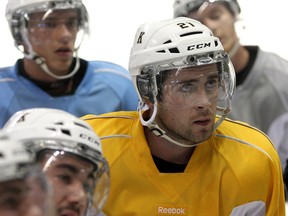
x=203 y=134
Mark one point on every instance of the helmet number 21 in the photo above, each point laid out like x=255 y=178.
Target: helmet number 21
x=185 y=25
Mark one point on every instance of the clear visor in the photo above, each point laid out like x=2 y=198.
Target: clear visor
x=186 y=86
x=75 y=177
x=40 y=22
x=29 y=196
x=41 y=25
x=197 y=80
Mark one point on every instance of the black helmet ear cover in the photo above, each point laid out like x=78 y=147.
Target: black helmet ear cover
x=145 y=87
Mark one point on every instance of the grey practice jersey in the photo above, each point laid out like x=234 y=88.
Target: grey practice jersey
x=263 y=96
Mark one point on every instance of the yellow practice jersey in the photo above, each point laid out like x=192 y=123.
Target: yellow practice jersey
x=236 y=172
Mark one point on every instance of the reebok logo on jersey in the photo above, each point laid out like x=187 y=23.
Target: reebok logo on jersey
x=165 y=210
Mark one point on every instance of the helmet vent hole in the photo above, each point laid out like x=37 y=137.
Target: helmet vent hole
x=52 y=129
x=191 y=33
x=67 y=132
x=167 y=42
x=59 y=123
x=161 y=51
x=174 y=50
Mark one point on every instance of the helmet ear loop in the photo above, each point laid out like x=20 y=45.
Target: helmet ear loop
x=27 y=48
x=23 y=44
x=147 y=86
x=152 y=118
x=15 y=30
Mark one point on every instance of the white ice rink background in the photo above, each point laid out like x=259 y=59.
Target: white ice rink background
x=114 y=23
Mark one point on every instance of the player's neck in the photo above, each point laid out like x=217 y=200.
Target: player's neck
x=34 y=71
x=166 y=150
x=240 y=59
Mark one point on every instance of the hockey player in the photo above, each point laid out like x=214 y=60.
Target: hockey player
x=179 y=155
x=49 y=33
x=70 y=155
x=260 y=76
x=24 y=190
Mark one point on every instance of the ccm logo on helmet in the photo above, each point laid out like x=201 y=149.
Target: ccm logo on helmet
x=90 y=139
x=198 y=46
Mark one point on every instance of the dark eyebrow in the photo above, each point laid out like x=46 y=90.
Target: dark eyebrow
x=186 y=81
x=72 y=17
x=211 y=75
x=69 y=167
x=73 y=169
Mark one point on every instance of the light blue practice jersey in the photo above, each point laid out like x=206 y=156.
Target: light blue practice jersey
x=105 y=87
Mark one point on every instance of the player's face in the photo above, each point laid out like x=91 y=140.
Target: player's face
x=188 y=105
x=18 y=198
x=220 y=20
x=53 y=37
x=73 y=182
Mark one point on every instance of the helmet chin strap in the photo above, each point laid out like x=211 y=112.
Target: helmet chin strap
x=31 y=54
x=234 y=49
x=42 y=63
x=161 y=133
x=153 y=126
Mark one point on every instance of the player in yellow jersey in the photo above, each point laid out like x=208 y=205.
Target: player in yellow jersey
x=178 y=155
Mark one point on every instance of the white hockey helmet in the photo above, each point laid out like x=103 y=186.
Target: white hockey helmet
x=52 y=129
x=173 y=44
x=14 y=159
x=22 y=182
x=184 y=7
x=17 y=15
